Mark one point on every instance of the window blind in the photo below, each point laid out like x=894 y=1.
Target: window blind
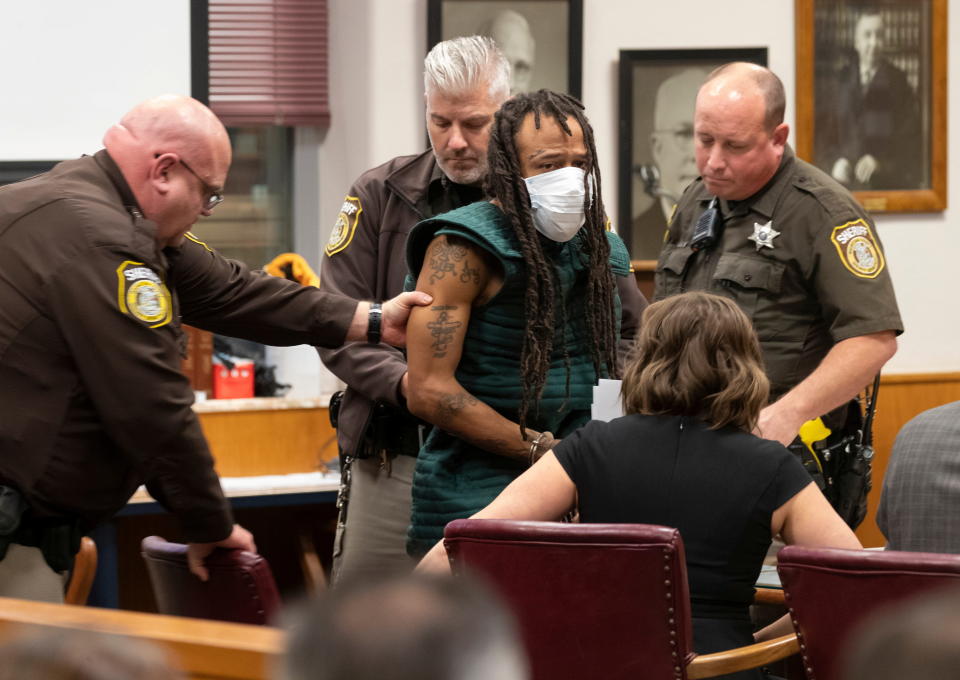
x=268 y=62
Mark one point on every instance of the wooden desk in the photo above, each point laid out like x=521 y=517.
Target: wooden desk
x=203 y=649
x=268 y=436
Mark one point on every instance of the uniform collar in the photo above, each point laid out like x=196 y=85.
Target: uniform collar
x=765 y=200
x=112 y=170
x=411 y=180
x=145 y=231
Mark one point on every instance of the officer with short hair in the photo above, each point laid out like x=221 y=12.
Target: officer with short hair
x=791 y=246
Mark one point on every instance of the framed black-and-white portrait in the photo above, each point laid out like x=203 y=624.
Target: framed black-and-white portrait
x=658 y=90
x=871 y=98
x=542 y=39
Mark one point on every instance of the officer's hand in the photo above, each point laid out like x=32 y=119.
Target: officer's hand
x=197 y=552
x=779 y=423
x=395 y=314
x=866 y=166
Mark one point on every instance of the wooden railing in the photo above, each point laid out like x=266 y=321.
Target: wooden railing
x=211 y=650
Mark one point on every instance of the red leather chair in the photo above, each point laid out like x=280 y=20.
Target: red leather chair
x=240 y=589
x=597 y=600
x=830 y=592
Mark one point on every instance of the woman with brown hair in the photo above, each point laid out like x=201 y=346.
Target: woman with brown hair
x=684 y=456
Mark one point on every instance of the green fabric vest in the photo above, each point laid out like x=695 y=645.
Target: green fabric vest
x=454 y=479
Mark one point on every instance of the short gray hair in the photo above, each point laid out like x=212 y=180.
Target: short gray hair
x=460 y=65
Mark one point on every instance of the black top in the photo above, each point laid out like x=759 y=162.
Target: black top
x=718 y=487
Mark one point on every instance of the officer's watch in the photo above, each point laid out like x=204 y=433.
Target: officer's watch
x=373 y=324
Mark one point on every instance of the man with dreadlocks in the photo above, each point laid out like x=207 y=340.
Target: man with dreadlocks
x=532 y=270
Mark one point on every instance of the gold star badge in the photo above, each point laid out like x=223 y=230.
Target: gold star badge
x=763 y=235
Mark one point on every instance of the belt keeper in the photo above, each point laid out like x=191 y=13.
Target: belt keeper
x=535 y=447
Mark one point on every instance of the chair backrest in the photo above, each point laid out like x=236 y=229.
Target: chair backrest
x=240 y=589
x=592 y=600
x=830 y=592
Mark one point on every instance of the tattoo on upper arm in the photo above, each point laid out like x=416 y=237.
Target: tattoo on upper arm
x=442 y=329
x=452 y=404
x=443 y=259
x=470 y=274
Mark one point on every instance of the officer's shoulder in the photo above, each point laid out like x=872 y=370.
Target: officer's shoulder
x=378 y=175
x=692 y=195
x=833 y=198
x=694 y=191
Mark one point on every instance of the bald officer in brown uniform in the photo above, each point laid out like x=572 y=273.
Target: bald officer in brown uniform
x=789 y=244
x=96 y=273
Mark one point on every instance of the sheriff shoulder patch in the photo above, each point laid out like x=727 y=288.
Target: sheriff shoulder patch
x=345 y=226
x=858 y=249
x=142 y=294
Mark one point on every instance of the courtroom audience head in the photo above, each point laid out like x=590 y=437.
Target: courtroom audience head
x=919 y=638
x=71 y=654
x=697 y=355
x=405 y=627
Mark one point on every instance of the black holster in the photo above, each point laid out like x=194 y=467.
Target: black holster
x=58 y=539
x=841 y=466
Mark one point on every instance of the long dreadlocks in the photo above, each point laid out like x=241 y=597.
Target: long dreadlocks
x=505 y=183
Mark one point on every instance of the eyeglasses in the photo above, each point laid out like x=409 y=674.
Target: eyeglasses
x=214 y=197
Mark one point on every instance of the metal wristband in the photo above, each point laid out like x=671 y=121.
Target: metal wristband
x=539 y=447
x=373 y=323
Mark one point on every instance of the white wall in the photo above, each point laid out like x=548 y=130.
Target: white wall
x=70 y=69
x=376 y=62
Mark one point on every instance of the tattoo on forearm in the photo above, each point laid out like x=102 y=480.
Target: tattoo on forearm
x=442 y=330
x=452 y=404
x=443 y=260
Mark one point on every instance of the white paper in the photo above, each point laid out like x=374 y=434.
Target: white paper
x=606 y=401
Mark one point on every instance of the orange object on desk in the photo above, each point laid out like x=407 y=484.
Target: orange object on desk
x=233 y=383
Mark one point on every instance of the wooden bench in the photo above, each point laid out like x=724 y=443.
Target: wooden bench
x=202 y=649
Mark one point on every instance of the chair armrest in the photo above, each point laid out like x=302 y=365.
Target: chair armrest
x=742 y=658
x=769 y=596
x=84 y=571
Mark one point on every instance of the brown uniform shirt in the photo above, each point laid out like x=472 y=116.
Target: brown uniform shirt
x=92 y=400
x=365 y=258
x=822 y=278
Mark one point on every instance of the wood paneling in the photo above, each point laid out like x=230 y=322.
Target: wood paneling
x=270 y=442
x=901 y=398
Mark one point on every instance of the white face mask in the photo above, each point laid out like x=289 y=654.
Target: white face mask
x=557 y=201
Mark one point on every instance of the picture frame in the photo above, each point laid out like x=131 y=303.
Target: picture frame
x=543 y=39
x=657 y=91
x=872 y=98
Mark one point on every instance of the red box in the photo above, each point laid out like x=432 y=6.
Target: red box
x=235 y=383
